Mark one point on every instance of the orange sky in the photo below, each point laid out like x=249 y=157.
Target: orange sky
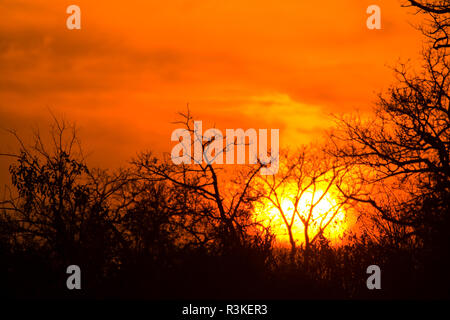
x=239 y=63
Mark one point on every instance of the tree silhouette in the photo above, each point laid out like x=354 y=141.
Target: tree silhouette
x=225 y=204
x=157 y=229
x=60 y=206
x=305 y=194
x=409 y=139
x=437 y=27
x=403 y=153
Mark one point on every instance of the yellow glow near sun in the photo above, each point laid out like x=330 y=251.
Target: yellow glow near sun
x=321 y=213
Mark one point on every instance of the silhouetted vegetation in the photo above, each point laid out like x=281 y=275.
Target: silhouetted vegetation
x=404 y=154
x=162 y=231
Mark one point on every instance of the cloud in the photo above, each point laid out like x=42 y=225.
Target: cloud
x=133 y=65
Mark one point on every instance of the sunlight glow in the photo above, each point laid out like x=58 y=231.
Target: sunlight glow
x=325 y=210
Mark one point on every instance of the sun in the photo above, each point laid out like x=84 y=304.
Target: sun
x=318 y=209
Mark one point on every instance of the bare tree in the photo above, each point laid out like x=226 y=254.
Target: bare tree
x=307 y=180
x=405 y=148
x=224 y=196
x=438 y=24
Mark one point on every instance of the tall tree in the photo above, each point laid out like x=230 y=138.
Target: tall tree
x=305 y=194
x=59 y=204
x=224 y=196
x=405 y=150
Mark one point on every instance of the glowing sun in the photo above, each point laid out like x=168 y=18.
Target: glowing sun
x=316 y=210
